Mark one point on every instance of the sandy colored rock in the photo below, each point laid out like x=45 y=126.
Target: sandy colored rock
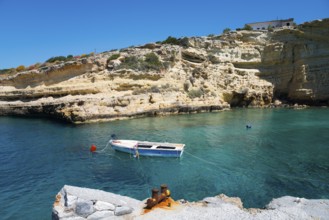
x=237 y=69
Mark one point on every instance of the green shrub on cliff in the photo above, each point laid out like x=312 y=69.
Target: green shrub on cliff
x=132 y=62
x=247 y=27
x=7 y=71
x=176 y=41
x=270 y=28
x=3 y=71
x=151 y=62
x=63 y=58
x=226 y=30
x=152 y=58
x=113 y=57
x=54 y=59
x=171 y=40
x=195 y=93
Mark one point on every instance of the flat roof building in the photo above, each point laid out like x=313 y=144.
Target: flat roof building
x=273 y=24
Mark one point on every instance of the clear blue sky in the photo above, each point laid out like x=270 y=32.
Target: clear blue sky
x=34 y=30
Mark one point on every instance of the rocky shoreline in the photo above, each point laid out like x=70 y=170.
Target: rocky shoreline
x=82 y=203
x=196 y=74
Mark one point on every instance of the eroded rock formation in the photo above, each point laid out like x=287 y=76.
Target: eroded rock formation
x=240 y=68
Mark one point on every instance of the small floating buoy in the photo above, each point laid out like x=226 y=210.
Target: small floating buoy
x=93 y=148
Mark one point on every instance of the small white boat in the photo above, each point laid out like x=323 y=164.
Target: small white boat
x=146 y=148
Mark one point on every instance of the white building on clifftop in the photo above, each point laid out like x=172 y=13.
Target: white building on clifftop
x=273 y=24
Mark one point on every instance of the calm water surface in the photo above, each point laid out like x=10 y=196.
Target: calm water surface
x=285 y=153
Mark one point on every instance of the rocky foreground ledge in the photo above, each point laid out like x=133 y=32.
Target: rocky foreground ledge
x=75 y=203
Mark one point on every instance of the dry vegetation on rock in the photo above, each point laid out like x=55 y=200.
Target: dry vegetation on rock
x=238 y=68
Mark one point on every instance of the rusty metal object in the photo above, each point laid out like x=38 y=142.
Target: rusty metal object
x=156 y=198
x=165 y=193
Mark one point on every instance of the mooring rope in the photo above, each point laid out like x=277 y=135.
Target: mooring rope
x=108 y=144
x=131 y=156
x=203 y=160
x=256 y=171
x=144 y=177
x=112 y=152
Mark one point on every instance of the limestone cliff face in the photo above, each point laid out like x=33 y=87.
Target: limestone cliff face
x=243 y=68
x=296 y=63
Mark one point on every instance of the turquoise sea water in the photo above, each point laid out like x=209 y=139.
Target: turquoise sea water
x=286 y=152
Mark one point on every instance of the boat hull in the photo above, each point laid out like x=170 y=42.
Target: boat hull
x=148 y=151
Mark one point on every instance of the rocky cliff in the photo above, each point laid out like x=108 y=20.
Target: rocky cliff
x=239 y=68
